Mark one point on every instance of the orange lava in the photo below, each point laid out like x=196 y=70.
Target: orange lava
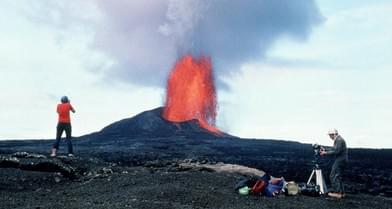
x=191 y=93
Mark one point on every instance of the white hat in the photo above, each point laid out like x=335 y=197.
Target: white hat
x=333 y=131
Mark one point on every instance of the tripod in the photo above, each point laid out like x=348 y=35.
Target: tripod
x=319 y=179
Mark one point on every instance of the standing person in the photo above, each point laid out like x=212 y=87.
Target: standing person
x=339 y=150
x=64 y=124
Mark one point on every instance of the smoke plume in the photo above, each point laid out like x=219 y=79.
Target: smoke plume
x=145 y=38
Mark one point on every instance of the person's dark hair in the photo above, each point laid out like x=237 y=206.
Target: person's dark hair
x=64 y=99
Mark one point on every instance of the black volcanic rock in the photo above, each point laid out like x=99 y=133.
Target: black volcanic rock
x=152 y=124
x=149 y=140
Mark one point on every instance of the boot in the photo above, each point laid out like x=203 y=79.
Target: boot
x=54 y=151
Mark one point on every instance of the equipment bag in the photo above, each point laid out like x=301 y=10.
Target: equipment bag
x=291 y=188
x=274 y=188
x=259 y=187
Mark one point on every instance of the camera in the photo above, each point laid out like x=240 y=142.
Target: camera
x=317 y=149
x=316 y=157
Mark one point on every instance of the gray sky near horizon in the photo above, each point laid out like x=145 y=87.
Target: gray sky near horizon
x=283 y=70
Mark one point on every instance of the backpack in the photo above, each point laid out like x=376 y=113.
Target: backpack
x=259 y=186
x=274 y=188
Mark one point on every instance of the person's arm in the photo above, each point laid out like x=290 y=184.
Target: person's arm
x=337 y=149
x=323 y=151
x=72 y=109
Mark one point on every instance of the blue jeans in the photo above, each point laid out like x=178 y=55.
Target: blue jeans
x=61 y=127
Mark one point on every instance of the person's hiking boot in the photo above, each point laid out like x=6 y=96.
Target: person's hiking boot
x=336 y=195
x=53 y=154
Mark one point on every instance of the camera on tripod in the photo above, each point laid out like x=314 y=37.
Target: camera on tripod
x=317 y=149
x=316 y=157
x=319 y=187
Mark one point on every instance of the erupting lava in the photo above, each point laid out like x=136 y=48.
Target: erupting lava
x=191 y=93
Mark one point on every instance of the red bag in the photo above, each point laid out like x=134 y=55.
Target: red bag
x=259 y=186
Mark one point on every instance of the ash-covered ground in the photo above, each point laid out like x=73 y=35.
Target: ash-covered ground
x=136 y=163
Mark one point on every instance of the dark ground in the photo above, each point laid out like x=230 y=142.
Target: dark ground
x=150 y=186
x=138 y=167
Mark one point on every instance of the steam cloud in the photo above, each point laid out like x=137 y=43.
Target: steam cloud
x=145 y=38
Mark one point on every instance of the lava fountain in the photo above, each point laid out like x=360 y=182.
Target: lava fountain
x=191 y=93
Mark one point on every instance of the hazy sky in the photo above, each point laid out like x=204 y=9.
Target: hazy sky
x=284 y=69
